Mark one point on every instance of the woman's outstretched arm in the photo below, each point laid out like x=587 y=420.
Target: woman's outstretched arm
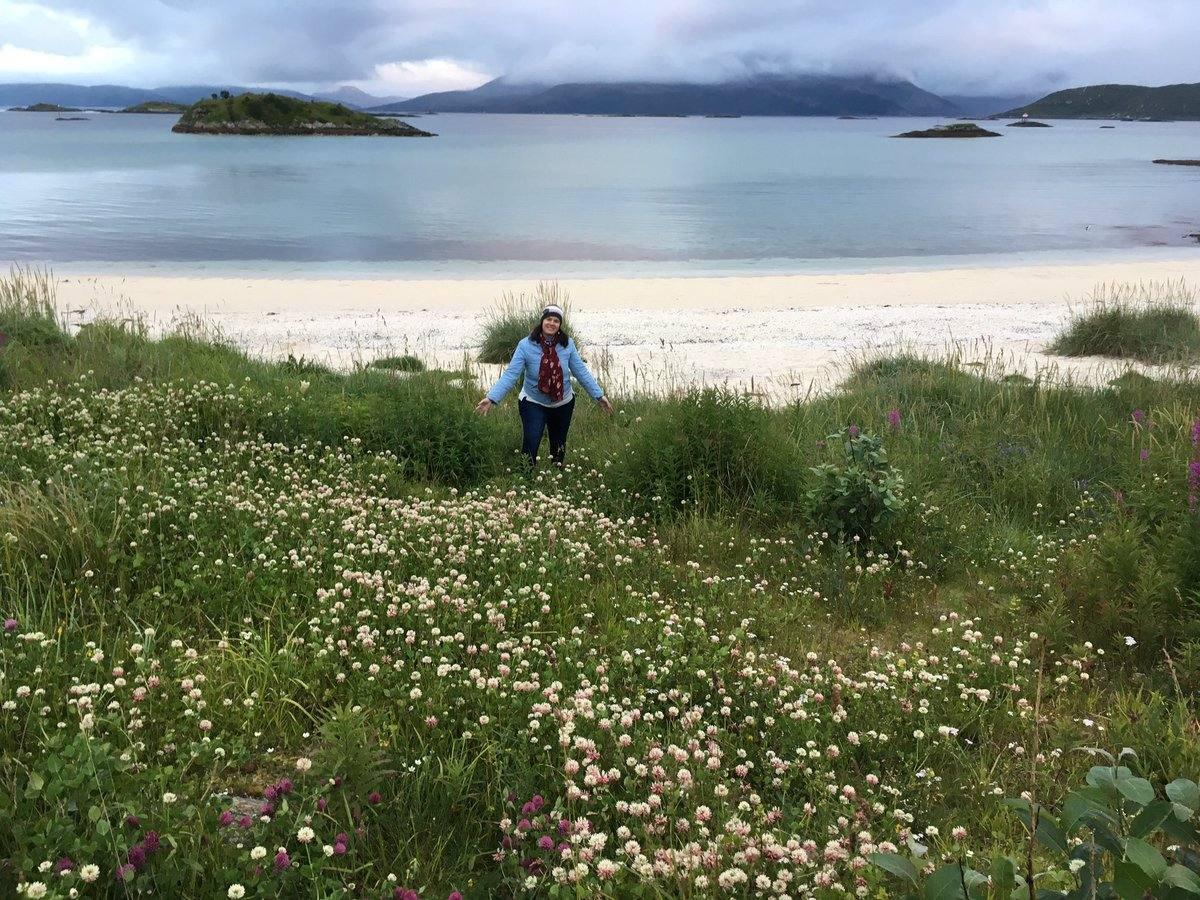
x=507 y=381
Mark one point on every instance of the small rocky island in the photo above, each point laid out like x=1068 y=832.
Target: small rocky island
x=45 y=107
x=269 y=114
x=953 y=130
x=1028 y=123
x=1178 y=162
x=158 y=107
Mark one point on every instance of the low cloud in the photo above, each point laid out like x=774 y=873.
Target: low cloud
x=410 y=46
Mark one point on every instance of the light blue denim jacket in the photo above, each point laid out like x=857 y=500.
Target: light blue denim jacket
x=527 y=359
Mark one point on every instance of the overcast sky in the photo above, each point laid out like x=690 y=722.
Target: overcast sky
x=408 y=47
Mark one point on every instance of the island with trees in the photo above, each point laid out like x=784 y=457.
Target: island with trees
x=953 y=130
x=45 y=107
x=157 y=107
x=274 y=114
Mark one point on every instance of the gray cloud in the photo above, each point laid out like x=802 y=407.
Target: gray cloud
x=946 y=45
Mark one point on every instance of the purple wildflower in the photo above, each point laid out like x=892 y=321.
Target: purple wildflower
x=271 y=792
x=245 y=822
x=853 y=431
x=125 y=872
x=455 y=895
x=65 y=864
x=405 y=894
x=151 y=841
x=1145 y=455
x=321 y=804
x=538 y=802
x=374 y=797
x=893 y=418
x=10 y=624
x=225 y=819
x=1196 y=433
x=546 y=842
x=1193 y=482
x=137 y=856
x=282 y=861
x=339 y=849
x=1139 y=418
x=133 y=821
x=285 y=785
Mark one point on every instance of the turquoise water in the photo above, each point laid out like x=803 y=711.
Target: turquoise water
x=726 y=194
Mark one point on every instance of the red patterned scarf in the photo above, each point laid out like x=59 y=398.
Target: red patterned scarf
x=550 y=373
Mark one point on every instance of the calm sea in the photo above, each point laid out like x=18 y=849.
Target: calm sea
x=726 y=194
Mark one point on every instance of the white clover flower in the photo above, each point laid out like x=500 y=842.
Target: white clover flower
x=305 y=834
x=35 y=889
x=258 y=852
x=89 y=873
x=235 y=892
x=303 y=764
x=169 y=798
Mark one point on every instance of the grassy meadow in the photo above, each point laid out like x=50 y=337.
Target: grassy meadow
x=276 y=631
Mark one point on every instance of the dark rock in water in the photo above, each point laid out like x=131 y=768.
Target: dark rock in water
x=1028 y=123
x=955 y=130
x=1195 y=235
x=275 y=114
x=1178 y=162
x=71 y=119
x=723 y=116
x=858 y=117
x=1108 y=126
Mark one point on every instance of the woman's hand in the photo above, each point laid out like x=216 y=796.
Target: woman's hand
x=484 y=406
x=606 y=405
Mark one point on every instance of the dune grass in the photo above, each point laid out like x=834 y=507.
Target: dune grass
x=1151 y=323
x=404 y=363
x=514 y=316
x=264 y=599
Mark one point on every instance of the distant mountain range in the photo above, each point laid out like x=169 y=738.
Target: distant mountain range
x=120 y=96
x=799 y=95
x=1117 y=101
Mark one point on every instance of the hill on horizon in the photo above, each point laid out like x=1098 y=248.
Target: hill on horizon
x=801 y=95
x=1116 y=101
x=121 y=96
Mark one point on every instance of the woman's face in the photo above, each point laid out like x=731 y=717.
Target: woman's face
x=550 y=325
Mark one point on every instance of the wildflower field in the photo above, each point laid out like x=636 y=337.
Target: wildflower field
x=275 y=631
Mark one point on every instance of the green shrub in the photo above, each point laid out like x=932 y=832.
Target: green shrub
x=1153 y=323
x=707 y=451
x=405 y=363
x=860 y=492
x=515 y=315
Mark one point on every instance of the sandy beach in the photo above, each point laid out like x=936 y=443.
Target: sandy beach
x=780 y=334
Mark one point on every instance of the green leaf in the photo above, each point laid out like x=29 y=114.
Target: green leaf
x=1085 y=806
x=1150 y=818
x=1182 y=877
x=896 y=864
x=1003 y=873
x=946 y=884
x=1185 y=792
x=1129 y=881
x=1146 y=858
x=36 y=783
x=1139 y=790
x=1049 y=834
x=93 y=814
x=103 y=828
x=977 y=884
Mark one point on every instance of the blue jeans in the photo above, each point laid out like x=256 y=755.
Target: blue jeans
x=537 y=419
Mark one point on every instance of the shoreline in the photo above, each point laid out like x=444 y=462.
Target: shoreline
x=782 y=334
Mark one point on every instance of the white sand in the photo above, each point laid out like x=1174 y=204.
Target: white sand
x=785 y=334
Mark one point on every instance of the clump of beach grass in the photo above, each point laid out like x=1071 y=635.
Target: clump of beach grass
x=514 y=315
x=28 y=312
x=1152 y=323
x=405 y=363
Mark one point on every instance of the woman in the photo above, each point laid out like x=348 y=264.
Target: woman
x=547 y=359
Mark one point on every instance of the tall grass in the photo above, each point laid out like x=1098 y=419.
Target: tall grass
x=1152 y=323
x=515 y=315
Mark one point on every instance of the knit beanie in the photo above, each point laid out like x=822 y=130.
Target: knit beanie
x=553 y=310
